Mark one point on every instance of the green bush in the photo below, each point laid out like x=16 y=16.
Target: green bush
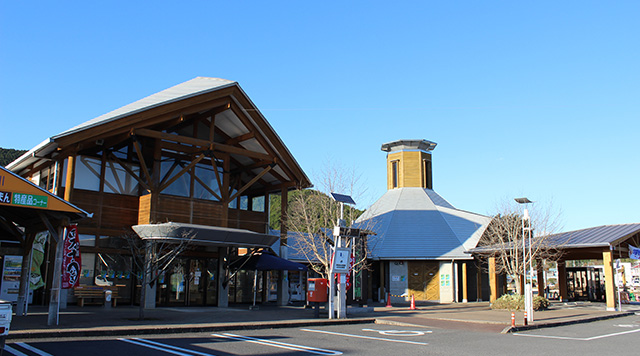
x=516 y=302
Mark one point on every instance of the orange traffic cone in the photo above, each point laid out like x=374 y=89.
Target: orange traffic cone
x=389 y=300
x=413 y=303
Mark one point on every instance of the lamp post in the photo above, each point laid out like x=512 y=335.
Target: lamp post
x=526 y=227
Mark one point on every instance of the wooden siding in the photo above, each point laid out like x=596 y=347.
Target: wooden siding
x=110 y=211
x=410 y=171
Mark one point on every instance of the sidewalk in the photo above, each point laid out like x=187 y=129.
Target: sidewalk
x=123 y=320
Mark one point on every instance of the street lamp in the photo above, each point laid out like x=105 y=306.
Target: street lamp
x=526 y=227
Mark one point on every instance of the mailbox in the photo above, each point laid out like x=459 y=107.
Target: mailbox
x=317 y=290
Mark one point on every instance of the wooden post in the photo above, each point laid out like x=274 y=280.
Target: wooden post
x=541 y=281
x=71 y=174
x=493 y=280
x=464 y=282
x=609 y=282
x=562 y=281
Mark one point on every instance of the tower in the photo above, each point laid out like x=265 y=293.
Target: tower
x=409 y=164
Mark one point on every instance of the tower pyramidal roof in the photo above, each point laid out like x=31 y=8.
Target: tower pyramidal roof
x=411 y=220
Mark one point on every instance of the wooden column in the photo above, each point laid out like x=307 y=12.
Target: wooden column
x=609 y=282
x=493 y=280
x=541 y=281
x=464 y=282
x=71 y=175
x=562 y=281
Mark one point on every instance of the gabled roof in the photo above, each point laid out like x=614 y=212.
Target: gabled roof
x=607 y=235
x=255 y=143
x=417 y=223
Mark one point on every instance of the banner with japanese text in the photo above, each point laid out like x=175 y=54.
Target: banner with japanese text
x=71 y=262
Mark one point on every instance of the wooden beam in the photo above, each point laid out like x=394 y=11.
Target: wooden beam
x=202 y=143
x=179 y=174
x=241 y=138
x=251 y=182
x=143 y=163
x=132 y=173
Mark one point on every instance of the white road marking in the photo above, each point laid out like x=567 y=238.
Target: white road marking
x=627 y=326
x=364 y=337
x=579 y=338
x=278 y=344
x=33 y=349
x=164 y=347
x=400 y=332
x=13 y=351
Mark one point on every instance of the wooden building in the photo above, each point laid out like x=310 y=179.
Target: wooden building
x=197 y=153
x=421 y=242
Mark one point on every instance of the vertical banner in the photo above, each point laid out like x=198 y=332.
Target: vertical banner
x=71 y=262
x=37 y=256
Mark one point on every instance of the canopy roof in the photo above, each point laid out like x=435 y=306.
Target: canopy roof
x=22 y=204
x=417 y=223
x=266 y=262
x=606 y=235
x=204 y=235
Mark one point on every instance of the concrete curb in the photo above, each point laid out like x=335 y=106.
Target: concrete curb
x=172 y=329
x=511 y=329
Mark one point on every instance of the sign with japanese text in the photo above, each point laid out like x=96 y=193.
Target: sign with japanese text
x=71 y=262
x=634 y=252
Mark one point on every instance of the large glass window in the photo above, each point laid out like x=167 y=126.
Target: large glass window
x=207 y=175
x=118 y=180
x=87 y=174
x=181 y=186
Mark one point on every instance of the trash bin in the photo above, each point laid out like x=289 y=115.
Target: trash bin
x=5 y=320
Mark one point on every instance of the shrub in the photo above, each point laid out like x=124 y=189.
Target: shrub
x=516 y=302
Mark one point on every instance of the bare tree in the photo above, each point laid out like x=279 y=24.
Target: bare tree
x=312 y=215
x=153 y=257
x=503 y=239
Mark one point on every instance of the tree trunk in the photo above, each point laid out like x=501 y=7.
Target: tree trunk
x=146 y=270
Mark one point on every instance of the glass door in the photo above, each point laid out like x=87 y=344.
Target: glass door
x=196 y=283
x=176 y=282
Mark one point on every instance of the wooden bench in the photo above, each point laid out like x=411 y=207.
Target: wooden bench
x=94 y=294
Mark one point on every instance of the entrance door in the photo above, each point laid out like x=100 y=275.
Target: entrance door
x=197 y=283
x=176 y=282
x=423 y=281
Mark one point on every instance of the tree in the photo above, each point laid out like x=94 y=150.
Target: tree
x=312 y=215
x=153 y=257
x=503 y=239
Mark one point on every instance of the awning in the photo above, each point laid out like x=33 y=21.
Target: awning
x=204 y=235
x=266 y=262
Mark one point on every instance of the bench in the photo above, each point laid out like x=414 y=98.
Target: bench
x=94 y=294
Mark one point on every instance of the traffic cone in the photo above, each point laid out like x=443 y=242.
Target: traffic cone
x=389 y=300
x=413 y=303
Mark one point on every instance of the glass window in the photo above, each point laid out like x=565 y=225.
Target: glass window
x=207 y=175
x=115 y=270
x=258 y=204
x=88 y=264
x=118 y=180
x=394 y=174
x=87 y=240
x=87 y=174
x=181 y=186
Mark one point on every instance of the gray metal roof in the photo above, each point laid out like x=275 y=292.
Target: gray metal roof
x=417 y=223
x=606 y=235
x=193 y=87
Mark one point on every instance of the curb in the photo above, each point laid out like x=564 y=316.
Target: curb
x=176 y=329
x=512 y=329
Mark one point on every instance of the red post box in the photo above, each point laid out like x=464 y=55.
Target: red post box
x=317 y=290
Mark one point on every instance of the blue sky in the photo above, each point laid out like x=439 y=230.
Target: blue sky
x=536 y=99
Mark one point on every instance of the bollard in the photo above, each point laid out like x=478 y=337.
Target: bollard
x=389 y=300
x=107 y=298
x=526 y=322
x=513 y=319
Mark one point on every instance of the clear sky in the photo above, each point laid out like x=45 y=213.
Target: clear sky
x=536 y=99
